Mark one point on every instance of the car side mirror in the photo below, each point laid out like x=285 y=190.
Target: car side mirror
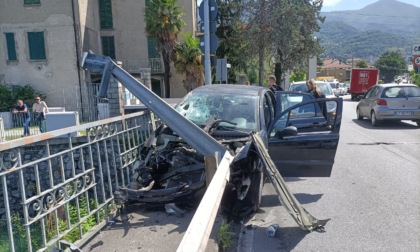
x=286 y=132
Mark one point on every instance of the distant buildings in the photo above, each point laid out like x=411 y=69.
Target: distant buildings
x=333 y=67
x=337 y=69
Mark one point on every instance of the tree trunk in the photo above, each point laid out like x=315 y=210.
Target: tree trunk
x=261 y=65
x=166 y=76
x=167 y=85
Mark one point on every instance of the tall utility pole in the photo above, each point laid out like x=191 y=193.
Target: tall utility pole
x=208 y=43
x=207 y=66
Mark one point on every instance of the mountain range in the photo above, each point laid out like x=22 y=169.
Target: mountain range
x=369 y=32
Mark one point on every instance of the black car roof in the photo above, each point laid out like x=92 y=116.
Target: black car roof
x=231 y=89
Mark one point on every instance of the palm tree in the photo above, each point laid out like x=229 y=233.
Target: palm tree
x=164 y=21
x=188 y=62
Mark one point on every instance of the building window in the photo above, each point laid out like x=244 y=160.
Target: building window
x=151 y=48
x=30 y=2
x=105 y=14
x=108 y=46
x=36 y=46
x=11 y=46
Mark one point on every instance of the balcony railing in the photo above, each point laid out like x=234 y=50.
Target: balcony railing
x=134 y=66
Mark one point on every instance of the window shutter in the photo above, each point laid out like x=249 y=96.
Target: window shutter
x=108 y=47
x=11 y=48
x=105 y=14
x=36 y=46
x=31 y=2
x=151 y=48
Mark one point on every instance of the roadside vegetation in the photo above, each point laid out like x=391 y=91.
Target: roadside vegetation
x=9 y=94
x=20 y=235
x=225 y=235
x=257 y=37
x=391 y=64
x=415 y=77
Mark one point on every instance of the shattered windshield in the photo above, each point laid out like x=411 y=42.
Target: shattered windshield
x=239 y=109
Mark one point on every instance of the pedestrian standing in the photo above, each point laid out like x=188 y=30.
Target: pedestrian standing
x=313 y=89
x=272 y=84
x=40 y=108
x=23 y=113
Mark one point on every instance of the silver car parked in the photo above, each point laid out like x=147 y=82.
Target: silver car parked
x=390 y=102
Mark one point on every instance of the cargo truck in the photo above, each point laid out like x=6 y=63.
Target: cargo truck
x=361 y=80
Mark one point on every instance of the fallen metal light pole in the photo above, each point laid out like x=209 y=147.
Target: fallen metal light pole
x=191 y=133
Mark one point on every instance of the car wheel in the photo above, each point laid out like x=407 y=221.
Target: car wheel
x=240 y=209
x=359 y=117
x=373 y=119
x=418 y=123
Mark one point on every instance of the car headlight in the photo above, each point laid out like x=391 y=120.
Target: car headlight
x=331 y=106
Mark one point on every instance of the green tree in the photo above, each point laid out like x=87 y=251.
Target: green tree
x=282 y=33
x=188 y=62
x=259 y=24
x=390 y=64
x=6 y=99
x=362 y=64
x=232 y=42
x=415 y=77
x=10 y=94
x=164 y=22
x=293 y=33
x=297 y=75
x=319 y=61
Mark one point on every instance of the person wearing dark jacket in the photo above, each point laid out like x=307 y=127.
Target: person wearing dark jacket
x=272 y=84
x=314 y=90
x=23 y=112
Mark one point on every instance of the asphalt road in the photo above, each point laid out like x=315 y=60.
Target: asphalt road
x=372 y=197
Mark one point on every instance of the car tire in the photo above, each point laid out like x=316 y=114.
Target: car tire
x=359 y=117
x=373 y=119
x=254 y=194
x=418 y=123
x=239 y=209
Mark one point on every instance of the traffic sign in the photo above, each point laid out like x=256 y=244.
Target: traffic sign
x=213 y=8
x=415 y=49
x=213 y=43
x=416 y=60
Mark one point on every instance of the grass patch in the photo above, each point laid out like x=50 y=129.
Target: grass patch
x=225 y=235
x=20 y=236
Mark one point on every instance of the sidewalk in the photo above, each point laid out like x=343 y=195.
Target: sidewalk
x=148 y=228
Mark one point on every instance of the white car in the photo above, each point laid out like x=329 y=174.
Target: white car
x=342 y=89
x=334 y=87
x=300 y=86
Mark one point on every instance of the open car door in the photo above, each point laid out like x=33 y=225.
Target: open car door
x=303 y=138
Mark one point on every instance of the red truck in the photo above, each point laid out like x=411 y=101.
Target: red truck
x=361 y=80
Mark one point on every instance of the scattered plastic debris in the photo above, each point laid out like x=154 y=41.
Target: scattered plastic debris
x=171 y=208
x=271 y=230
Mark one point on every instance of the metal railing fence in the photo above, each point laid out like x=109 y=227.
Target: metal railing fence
x=16 y=129
x=55 y=186
x=134 y=66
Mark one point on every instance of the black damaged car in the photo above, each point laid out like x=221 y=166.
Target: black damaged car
x=301 y=141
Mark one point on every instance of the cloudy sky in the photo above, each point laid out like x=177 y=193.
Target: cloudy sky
x=336 y=5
